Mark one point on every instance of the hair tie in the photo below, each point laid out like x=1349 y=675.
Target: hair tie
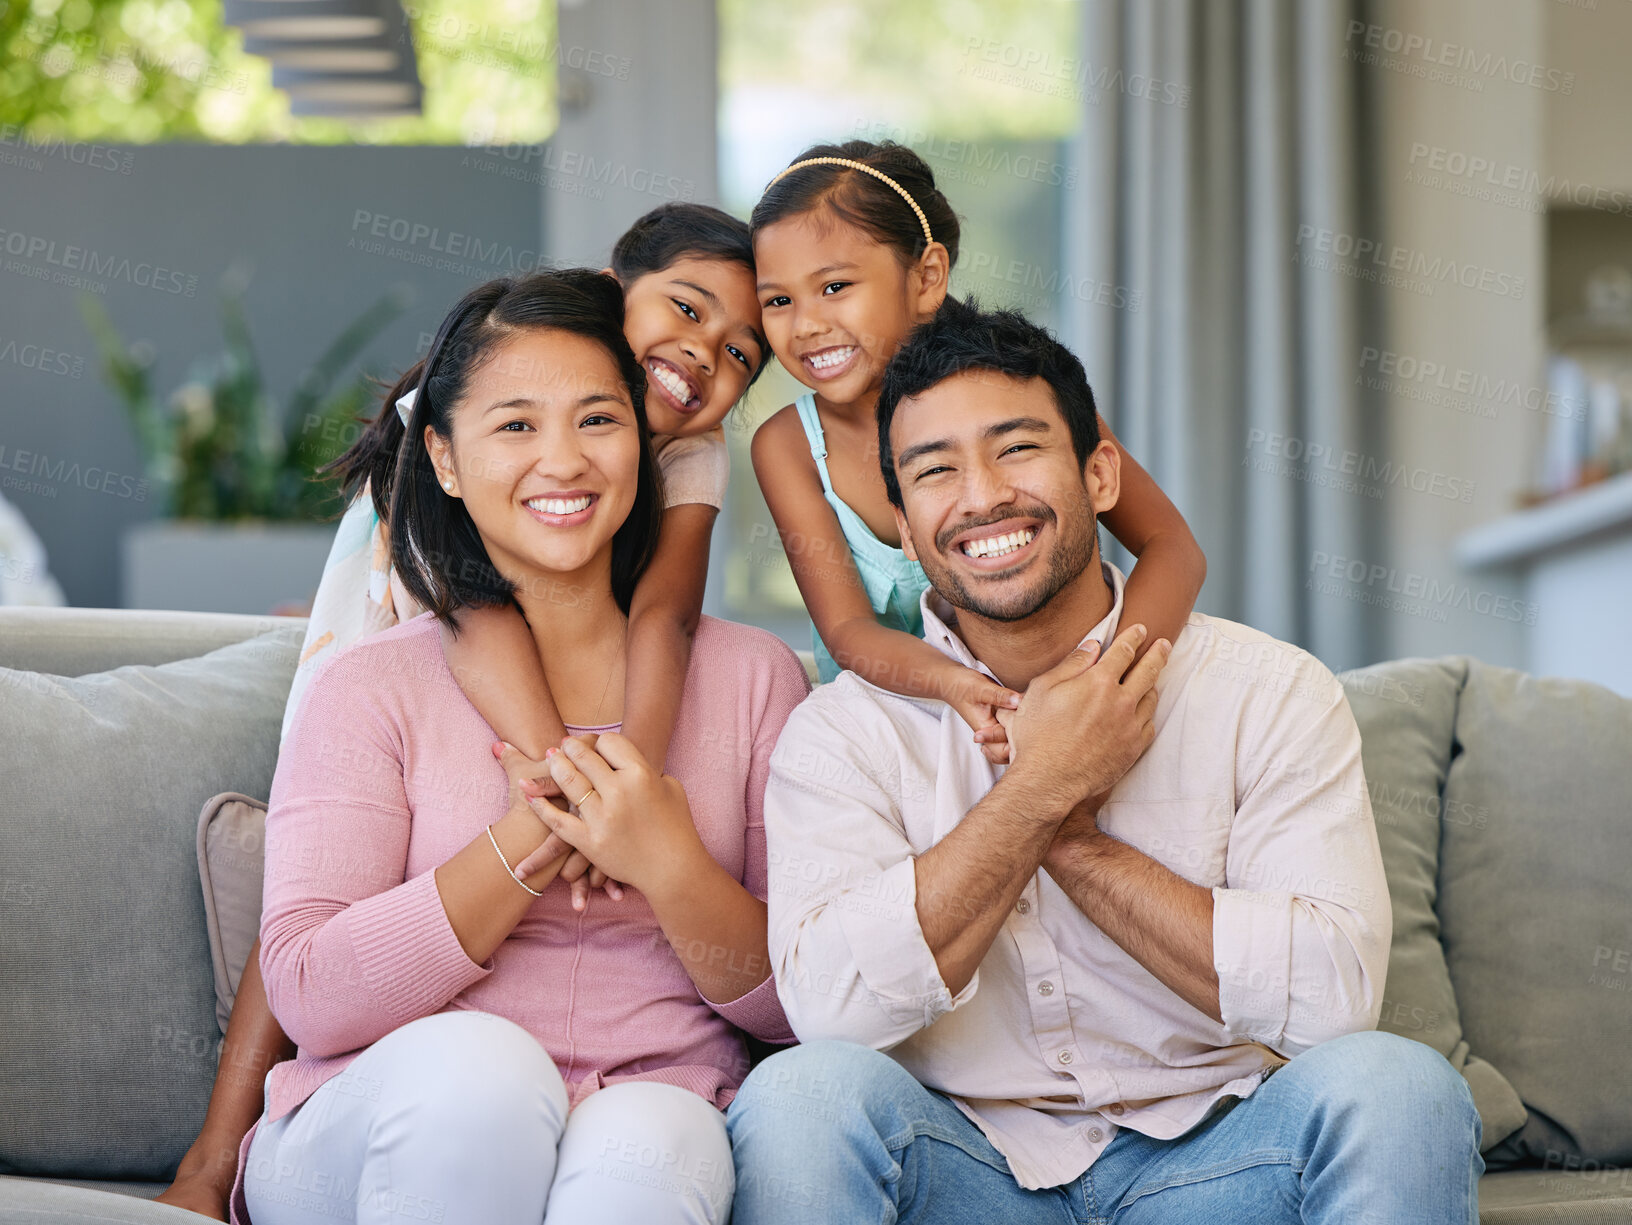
x=405 y=404
x=865 y=169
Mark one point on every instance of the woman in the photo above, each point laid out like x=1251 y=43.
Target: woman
x=448 y=1015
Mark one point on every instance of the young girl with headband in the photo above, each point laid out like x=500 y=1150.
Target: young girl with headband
x=854 y=246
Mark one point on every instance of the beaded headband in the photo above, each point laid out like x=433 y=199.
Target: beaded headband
x=865 y=169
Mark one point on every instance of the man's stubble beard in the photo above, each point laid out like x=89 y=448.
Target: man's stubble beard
x=1073 y=553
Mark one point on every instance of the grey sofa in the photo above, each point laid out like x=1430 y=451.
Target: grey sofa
x=1501 y=804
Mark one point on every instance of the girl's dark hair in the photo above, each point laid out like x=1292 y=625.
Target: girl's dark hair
x=673 y=231
x=435 y=547
x=861 y=200
x=681 y=230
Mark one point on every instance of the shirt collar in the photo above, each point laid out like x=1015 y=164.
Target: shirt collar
x=939 y=617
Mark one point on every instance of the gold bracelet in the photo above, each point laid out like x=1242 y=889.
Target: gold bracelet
x=507 y=866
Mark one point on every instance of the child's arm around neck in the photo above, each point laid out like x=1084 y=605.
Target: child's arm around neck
x=663 y=618
x=833 y=591
x=1161 y=590
x=495 y=659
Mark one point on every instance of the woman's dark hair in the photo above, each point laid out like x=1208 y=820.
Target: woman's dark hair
x=857 y=197
x=959 y=337
x=680 y=230
x=435 y=547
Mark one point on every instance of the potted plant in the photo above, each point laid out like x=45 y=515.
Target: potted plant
x=246 y=522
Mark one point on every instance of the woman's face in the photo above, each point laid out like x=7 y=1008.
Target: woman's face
x=695 y=328
x=545 y=453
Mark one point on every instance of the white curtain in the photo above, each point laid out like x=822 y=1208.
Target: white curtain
x=1193 y=194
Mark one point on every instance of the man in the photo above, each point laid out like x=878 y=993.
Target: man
x=1135 y=974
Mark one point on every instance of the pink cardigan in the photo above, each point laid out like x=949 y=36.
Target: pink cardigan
x=387 y=771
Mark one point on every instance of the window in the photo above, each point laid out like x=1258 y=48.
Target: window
x=139 y=71
x=983 y=90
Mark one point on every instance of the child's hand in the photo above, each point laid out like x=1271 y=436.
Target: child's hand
x=978 y=699
x=530 y=783
x=994 y=740
x=528 y=777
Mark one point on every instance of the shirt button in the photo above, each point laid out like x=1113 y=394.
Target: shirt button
x=1117 y=1109
x=1023 y=906
x=1095 y=1135
x=1045 y=988
x=1065 y=1056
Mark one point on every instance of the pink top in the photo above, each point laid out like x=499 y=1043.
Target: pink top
x=387 y=771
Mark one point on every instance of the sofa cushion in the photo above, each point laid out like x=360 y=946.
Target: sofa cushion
x=108 y=1034
x=1406 y=711
x=27 y=1201
x=1534 y=908
x=231 y=858
x=1556 y=1196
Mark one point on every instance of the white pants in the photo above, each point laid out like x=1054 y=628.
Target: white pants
x=460 y=1118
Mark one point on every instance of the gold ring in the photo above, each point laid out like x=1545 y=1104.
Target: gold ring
x=587 y=794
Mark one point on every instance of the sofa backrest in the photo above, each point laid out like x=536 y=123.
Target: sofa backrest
x=79 y=641
x=108 y=1030
x=1503 y=805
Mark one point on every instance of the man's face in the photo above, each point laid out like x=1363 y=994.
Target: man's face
x=994 y=504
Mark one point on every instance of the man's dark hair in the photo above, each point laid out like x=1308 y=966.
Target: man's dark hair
x=959 y=337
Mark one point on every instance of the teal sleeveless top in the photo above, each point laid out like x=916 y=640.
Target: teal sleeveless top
x=894 y=582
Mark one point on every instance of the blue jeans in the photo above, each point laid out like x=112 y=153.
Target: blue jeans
x=1368 y=1129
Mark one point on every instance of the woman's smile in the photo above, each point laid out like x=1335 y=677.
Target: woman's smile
x=568 y=508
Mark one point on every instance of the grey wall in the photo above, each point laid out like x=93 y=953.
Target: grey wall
x=325 y=231
x=637 y=91
x=1494 y=338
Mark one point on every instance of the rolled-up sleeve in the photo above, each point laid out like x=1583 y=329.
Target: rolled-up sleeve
x=848 y=953
x=1301 y=929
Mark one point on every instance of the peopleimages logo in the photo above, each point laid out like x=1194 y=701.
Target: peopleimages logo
x=54 y=473
x=1490 y=172
x=972 y=158
x=1065 y=76
x=574 y=173
x=1403 y=591
x=1436 y=53
x=1408 y=262
x=42 y=358
x=516 y=50
x=79 y=267
x=431 y=246
x=1394 y=370
x=78 y=152
x=1370 y=475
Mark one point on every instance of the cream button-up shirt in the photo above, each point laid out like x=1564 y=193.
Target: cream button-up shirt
x=1252 y=788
